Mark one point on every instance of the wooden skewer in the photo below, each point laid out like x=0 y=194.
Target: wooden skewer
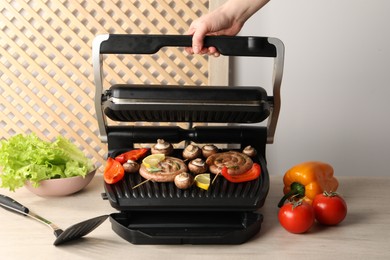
x=141 y=183
x=212 y=182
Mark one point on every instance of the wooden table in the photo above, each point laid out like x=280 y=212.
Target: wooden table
x=364 y=234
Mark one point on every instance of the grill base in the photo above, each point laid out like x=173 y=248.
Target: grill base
x=159 y=213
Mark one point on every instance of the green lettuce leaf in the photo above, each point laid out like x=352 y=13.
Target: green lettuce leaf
x=26 y=157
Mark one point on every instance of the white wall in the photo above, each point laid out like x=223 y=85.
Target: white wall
x=336 y=84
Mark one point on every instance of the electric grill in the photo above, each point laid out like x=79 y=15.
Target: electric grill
x=160 y=213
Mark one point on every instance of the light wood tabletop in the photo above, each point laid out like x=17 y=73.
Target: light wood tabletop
x=364 y=234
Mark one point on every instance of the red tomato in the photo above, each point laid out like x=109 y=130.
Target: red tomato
x=329 y=208
x=113 y=172
x=296 y=217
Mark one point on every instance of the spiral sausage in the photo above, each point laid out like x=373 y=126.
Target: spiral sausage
x=236 y=163
x=166 y=171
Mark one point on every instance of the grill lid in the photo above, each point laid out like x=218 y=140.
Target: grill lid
x=132 y=103
x=149 y=44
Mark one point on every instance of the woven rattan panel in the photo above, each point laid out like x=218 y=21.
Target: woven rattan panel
x=46 y=80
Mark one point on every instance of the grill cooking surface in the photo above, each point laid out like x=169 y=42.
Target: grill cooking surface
x=221 y=195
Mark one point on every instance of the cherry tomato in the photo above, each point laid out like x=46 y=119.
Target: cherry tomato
x=296 y=217
x=113 y=172
x=329 y=208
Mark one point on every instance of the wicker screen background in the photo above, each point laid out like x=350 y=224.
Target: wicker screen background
x=46 y=79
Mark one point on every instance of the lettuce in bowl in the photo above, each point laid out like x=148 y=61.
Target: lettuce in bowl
x=26 y=157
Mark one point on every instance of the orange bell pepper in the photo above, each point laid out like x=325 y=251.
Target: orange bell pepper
x=308 y=179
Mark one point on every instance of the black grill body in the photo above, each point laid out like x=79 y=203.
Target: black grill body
x=160 y=213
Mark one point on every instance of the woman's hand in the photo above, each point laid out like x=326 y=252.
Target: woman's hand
x=228 y=19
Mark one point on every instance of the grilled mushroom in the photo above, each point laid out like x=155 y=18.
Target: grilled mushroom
x=197 y=166
x=162 y=147
x=209 y=149
x=191 y=152
x=131 y=166
x=184 y=180
x=250 y=151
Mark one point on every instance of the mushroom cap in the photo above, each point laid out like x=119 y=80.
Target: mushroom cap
x=183 y=180
x=162 y=147
x=191 y=152
x=250 y=151
x=131 y=166
x=197 y=166
x=209 y=149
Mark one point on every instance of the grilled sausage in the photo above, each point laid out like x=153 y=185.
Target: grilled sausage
x=166 y=171
x=236 y=163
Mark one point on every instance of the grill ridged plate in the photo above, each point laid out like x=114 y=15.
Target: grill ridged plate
x=180 y=115
x=221 y=195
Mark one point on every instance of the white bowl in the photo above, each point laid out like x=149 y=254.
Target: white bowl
x=62 y=186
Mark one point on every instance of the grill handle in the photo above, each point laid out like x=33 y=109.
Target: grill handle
x=149 y=44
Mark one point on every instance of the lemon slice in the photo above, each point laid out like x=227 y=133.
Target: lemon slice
x=202 y=181
x=153 y=160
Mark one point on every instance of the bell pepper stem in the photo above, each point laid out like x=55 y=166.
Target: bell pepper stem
x=296 y=190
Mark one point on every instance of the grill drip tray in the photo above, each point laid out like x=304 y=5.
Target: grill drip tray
x=178 y=227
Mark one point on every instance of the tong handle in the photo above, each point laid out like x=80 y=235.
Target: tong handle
x=149 y=44
x=11 y=204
